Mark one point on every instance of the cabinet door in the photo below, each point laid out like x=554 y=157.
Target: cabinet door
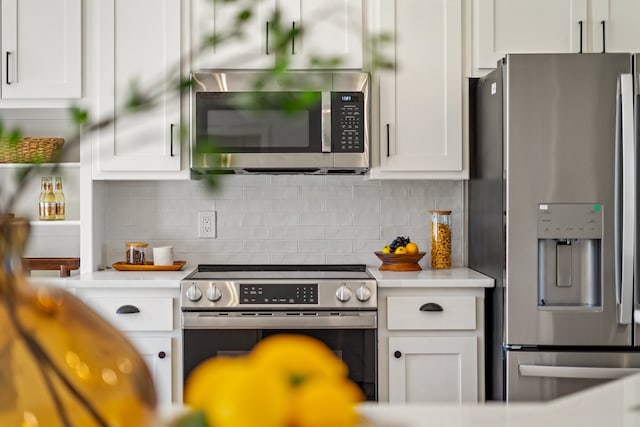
x=157 y=353
x=147 y=56
x=217 y=19
x=433 y=369
x=41 y=49
x=330 y=29
x=420 y=101
x=527 y=26
x=621 y=30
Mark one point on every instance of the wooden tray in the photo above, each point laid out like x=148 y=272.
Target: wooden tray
x=123 y=266
x=400 y=262
x=65 y=265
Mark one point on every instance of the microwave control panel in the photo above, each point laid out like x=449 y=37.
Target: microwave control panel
x=347 y=122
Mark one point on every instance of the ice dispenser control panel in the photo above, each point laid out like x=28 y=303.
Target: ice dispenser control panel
x=569 y=221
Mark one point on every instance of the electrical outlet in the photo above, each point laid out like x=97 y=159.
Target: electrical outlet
x=207 y=224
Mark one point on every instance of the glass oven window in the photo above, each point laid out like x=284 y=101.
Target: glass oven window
x=356 y=347
x=237 y=123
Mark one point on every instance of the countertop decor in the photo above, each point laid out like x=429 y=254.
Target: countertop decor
x=400 y=262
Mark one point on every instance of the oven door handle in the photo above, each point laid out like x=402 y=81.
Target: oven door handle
x=210 y=321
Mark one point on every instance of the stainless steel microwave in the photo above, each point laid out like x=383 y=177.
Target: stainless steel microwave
x=300 y=122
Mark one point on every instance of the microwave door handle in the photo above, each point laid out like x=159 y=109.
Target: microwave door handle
x=325 y=122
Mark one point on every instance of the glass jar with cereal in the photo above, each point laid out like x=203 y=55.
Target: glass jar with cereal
x=440 y=239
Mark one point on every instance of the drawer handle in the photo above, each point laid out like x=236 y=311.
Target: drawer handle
x=397 y=354
x=162 y=355
x=127 y=309
x=431 y=306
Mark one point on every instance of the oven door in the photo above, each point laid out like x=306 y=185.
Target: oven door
x=351 y=336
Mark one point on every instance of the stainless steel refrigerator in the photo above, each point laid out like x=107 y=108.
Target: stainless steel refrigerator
x=552 y=218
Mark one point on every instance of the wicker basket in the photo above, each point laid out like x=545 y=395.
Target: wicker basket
x=30 y=149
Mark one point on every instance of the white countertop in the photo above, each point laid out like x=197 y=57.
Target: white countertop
x=138 y=279
x=459 y=277
x=613 y=404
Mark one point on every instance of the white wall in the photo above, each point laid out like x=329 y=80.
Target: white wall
x=281 y=218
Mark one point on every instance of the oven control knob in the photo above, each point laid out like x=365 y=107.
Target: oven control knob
x=343 y=293
x=363 y=293
x=193 y=293
x=213 y=293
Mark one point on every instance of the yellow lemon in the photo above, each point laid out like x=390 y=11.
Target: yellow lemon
x=232 y=392
x=322 y=402
x=297 y=358
x=386 y=250
x=400 y=250
x=252 y=397
x=209 y=377
x=412 y=248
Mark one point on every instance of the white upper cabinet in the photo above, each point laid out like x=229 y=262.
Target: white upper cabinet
x=615 y=22
x=138 y=43
x=329 y=29
x=41 y=49
x=526 y=26
x=420 y=102
x=552 y=26
x=217 y=19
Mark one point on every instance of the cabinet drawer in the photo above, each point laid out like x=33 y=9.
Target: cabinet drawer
x=135 y=313
x=439 y=312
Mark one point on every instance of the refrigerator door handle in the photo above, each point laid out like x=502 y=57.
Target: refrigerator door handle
x=546 y=371
x=624 y=209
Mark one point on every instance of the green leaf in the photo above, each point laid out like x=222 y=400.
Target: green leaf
x=192 y=419
x=80 y=115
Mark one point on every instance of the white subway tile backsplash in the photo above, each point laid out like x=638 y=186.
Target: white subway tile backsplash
x=281 y=218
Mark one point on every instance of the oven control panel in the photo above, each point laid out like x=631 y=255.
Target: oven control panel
x=292 y=293
x=323 y=295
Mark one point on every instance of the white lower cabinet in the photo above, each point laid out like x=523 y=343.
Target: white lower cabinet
x=435 y=369
x=150 y=319
x=431 y=345
x=158 y=355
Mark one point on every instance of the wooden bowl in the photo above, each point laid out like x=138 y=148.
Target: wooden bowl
x=400 y=262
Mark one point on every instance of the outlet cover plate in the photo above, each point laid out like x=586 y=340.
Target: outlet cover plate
x=207 y=224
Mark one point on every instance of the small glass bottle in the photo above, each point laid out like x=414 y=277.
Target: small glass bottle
x=440 y=239
x=136 y=253
x=60 y=201
x=49 y=201
x=43 y=191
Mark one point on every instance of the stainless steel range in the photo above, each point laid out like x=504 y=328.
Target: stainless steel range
x=227 y=309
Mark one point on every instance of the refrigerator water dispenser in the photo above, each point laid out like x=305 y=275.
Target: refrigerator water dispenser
x=569 y=256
